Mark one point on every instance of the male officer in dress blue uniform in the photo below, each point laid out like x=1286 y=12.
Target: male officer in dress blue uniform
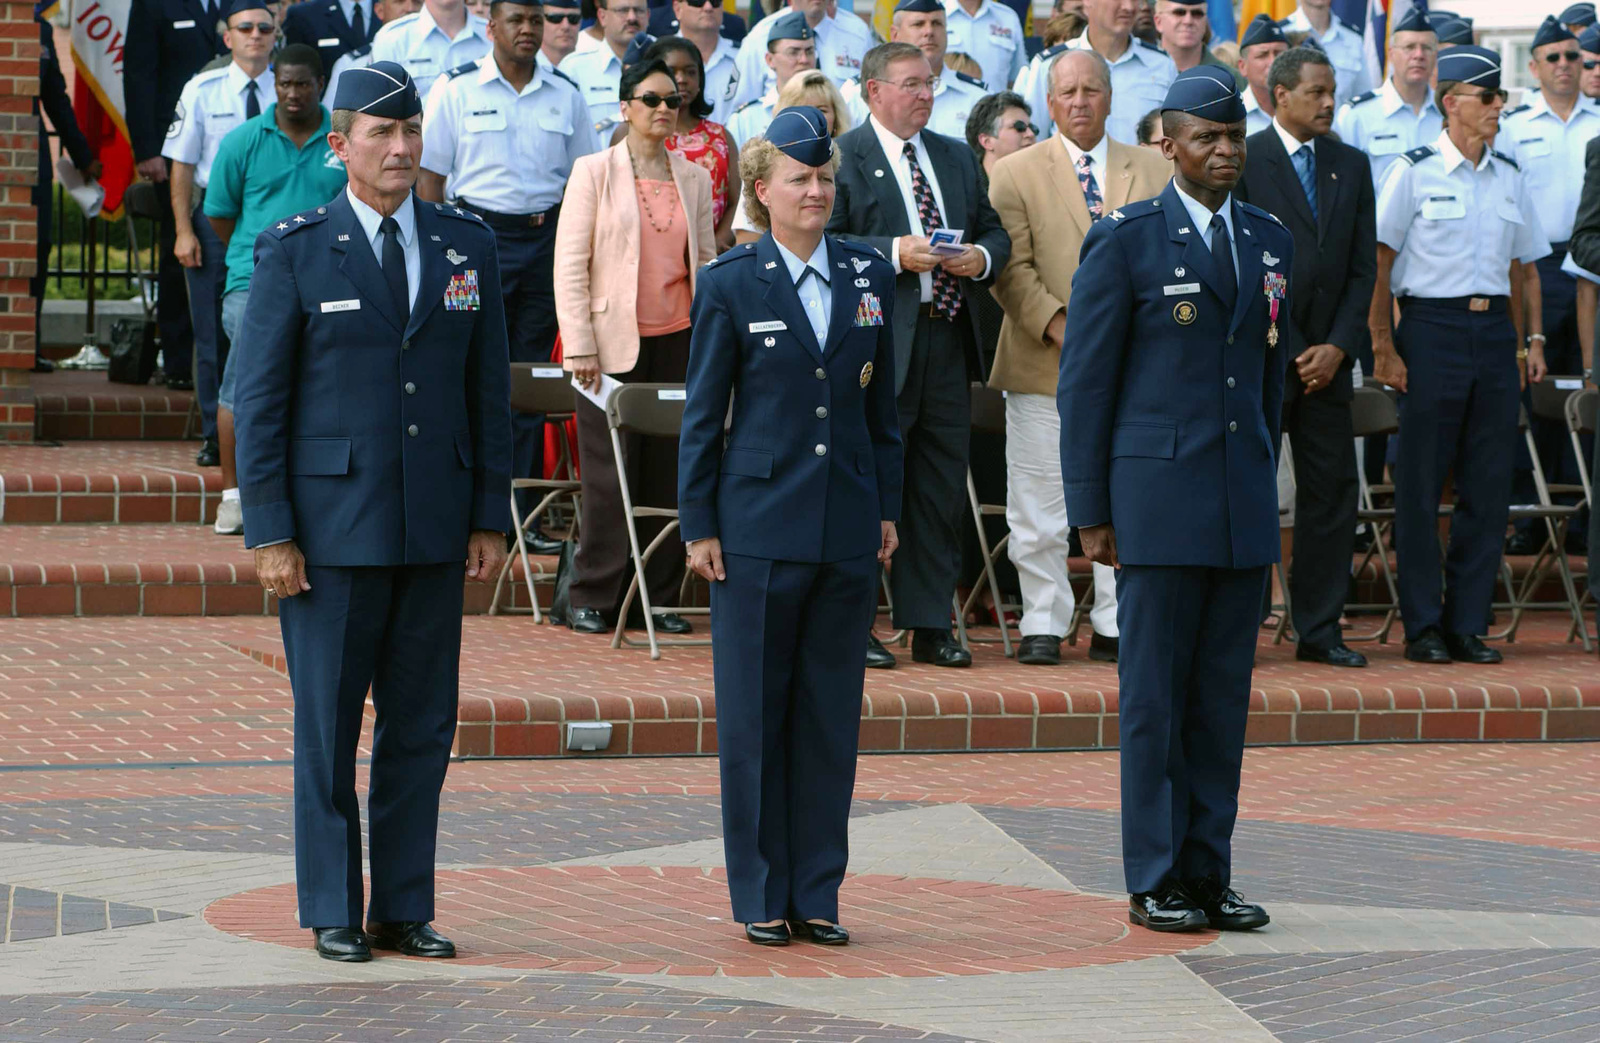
x=921 y=22
x=1453 y=218
x=789 y=512
x=505 y=132
x=333 y=27
x=374 y=452
x=1402 y=114
x=1171 y=395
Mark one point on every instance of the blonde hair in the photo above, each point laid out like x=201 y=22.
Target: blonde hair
x=1068 y=25
x=957 y=61
x=755 y=164
x=814 y=88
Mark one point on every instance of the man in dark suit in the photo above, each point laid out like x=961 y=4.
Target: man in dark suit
x=168 y=41
x=896 y=185
x=1322 y=192
x=333 y=27
x=1585 y=247
x=1171 y=397
x=374 y=455
x=53 y=102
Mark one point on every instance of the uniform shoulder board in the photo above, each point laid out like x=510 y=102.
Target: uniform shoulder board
x=1256 y=211
x=459 y=213
x=216 y=72
x=1417 y=155
x=1512 y=112
x=1133 y=211
x=851 y=246
x=1050 y=52
x=1148 y=46
x=462 y=70
x=748 y=104
x=973 y=80
x=1507 y=160
x=564 y=76
x=360 y=52
x=396 y=24
x=1363 y=97
x=289 y=225
x=745 y=250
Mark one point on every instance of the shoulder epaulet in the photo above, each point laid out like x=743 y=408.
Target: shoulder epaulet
x=1365 y=96
x=1050 y=52
x=1502 y=157
x=851 y=246
x=564 y=76
x=973 y=80
x=1133 y=211
x=741 y=251
x=461 y=70
x=391 y=26
x=746 y=105
x=1256 y=211
x=1417 y=155
x=1512 y=112
x=459 y=213
x=289 y=225
x=360 y=52
x=213 y=72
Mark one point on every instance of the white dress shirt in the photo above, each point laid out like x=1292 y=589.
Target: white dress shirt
x=894 y=150
x=1385 y=127
x=406 y=218
x=815 y=295
x=1550 y=151
x=212 y=104
x=1097 y=159
x=418 y=44
x=1201 y=215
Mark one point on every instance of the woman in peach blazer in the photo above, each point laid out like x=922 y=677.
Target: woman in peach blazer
x=635 y=226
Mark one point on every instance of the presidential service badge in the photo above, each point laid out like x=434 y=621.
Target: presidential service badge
x=866 y=374
x=1184 y=312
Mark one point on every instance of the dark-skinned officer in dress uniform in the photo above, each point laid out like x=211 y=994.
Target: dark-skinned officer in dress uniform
x=374 y=451
x=1171 y=397
x=790 y=515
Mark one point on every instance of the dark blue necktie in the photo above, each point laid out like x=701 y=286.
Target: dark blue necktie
x=252 y=100
x=1222 y=259
x=358 y=22
x=394 y=268
x=1305 y=165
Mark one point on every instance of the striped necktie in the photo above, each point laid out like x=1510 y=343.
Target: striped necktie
x=1305 y=165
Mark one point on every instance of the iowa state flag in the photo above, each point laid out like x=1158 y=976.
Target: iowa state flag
x=98 y=30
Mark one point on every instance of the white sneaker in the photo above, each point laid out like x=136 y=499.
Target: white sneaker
x=230 y=519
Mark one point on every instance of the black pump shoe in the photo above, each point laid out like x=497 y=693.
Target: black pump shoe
x=821 y=933
x=777 y=934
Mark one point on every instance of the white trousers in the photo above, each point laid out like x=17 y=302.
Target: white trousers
x=1036 y=510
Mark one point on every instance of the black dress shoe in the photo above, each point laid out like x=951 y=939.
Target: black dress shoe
x=1169 y=909
x=180 y=384
x=209 y=455
x=42 y=365
x=939 y=648
x=821 y=933
x=1469 y=648
x=878 y=657
x=672 y=623
x=1224 y=908
x=1523 y=541
x=537 y=542
x=777 y=934
x=1039 y=650
x=1428 y=647
x=1334 y=655
x=1104 y=649
x=344 y=944
x=588 y=621
x=412 y=938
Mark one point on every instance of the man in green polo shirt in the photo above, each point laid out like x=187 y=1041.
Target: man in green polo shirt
x=267 y=168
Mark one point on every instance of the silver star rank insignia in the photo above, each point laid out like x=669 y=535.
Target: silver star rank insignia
x=282 y=226
x=299 y=220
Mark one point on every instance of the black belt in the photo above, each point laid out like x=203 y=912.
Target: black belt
x=1479 y=304
x=512 y=222
x=926 y=311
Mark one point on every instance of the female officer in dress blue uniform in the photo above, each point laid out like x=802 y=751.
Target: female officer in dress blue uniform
x=789 y=516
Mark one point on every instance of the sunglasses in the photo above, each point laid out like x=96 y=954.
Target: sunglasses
x=1197 y=13
x=1023 y=127
x=263 y=28
x=1486 y=96
x=1590 y=64
x=655 y=101
x=699 y=3
x=557 y=19
x=1555 y=58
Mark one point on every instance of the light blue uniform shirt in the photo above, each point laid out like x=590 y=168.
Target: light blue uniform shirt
x=841 y=44
x=1255 y=118
x=1346 y=51
x=752 y=119
x=1382 y=125
x=1201 y=215
x=992 y=38
x=815 y=297
x=417 y=42
x=722 y=80
x=406 y=217
x=1139 y=80
x=359 y=58
x=598 y=74
x=1550 y=153
x=212 y=103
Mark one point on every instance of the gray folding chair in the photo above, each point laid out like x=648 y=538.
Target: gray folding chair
x=989 y=416
x=653 y=410
x=540 y=389
x=1374 y=412
x=1580 y=415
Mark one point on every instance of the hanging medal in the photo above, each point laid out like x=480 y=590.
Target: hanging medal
x=1274 y=285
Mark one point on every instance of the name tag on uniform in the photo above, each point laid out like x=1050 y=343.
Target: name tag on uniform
x=1533 y=147
x=1443 y=208
x=768 y=327
x=331 y=306
x=186 y=23
x=484 y=120
x=330 y=41
x=1386 y=145
x=1173 y=289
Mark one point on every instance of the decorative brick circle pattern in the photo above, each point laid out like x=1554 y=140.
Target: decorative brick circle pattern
x=645 y=920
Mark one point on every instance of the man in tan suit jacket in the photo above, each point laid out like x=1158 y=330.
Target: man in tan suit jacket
x=1047 y=197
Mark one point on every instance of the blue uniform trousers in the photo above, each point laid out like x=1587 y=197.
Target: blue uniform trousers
x=789 y=666
x=527 y=282
x=172 y=297
x=1188 y=646
x=1458 y=415
x=395 y=630
x=205 y=285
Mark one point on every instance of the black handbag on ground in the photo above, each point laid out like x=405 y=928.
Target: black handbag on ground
x=561 y=601
x=133 y=351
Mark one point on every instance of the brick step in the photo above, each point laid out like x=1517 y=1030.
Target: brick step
x=153 y=570
x=120 y=481
x=74 y=405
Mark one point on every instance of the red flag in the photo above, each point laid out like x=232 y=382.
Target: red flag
x=109 y=143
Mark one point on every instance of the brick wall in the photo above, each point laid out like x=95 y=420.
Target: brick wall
x=19 y=162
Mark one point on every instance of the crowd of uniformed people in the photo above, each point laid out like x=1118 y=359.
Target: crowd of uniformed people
x=1166 y=250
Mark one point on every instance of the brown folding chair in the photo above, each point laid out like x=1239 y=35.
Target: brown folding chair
x=989 y=416
x=540 y=389
x=653 y=410
x=1374 y=412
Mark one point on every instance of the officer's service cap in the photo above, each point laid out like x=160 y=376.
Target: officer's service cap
x=1589 y=40
x=1471 y=64
x=792 y=26
x=636 y=48
x=1205 y=91
x=380 y=89
x=231 y=9
x=1439 y=14
x=1454 y=31
x=1414 y=21
x=1262 y=29
x=1579 y=14
x=918 y=6
x=801 y=132
x=1550 y=31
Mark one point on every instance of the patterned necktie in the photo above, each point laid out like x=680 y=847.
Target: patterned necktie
x=1091 y=190
x=1222 y=258
x=252 y=100
x=1305 y=165
x=946 y=290
x=358 y=22
x=394 y=268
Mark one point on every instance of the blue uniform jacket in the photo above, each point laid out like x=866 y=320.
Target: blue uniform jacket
x=812 y=460
x=312 y=22
x=1171 y=405
x=168 y=42
x=365 y=442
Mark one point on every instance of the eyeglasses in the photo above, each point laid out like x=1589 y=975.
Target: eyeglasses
x=1590 y=63
x=627 y=12
x=931 y=85
x=655 y=101
x=264 y=28
x=1023 y=127
x=556 y=19
x=1486 y=96
x=1555 y=58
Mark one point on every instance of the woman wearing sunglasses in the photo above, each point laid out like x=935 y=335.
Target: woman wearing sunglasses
x=634 y=228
